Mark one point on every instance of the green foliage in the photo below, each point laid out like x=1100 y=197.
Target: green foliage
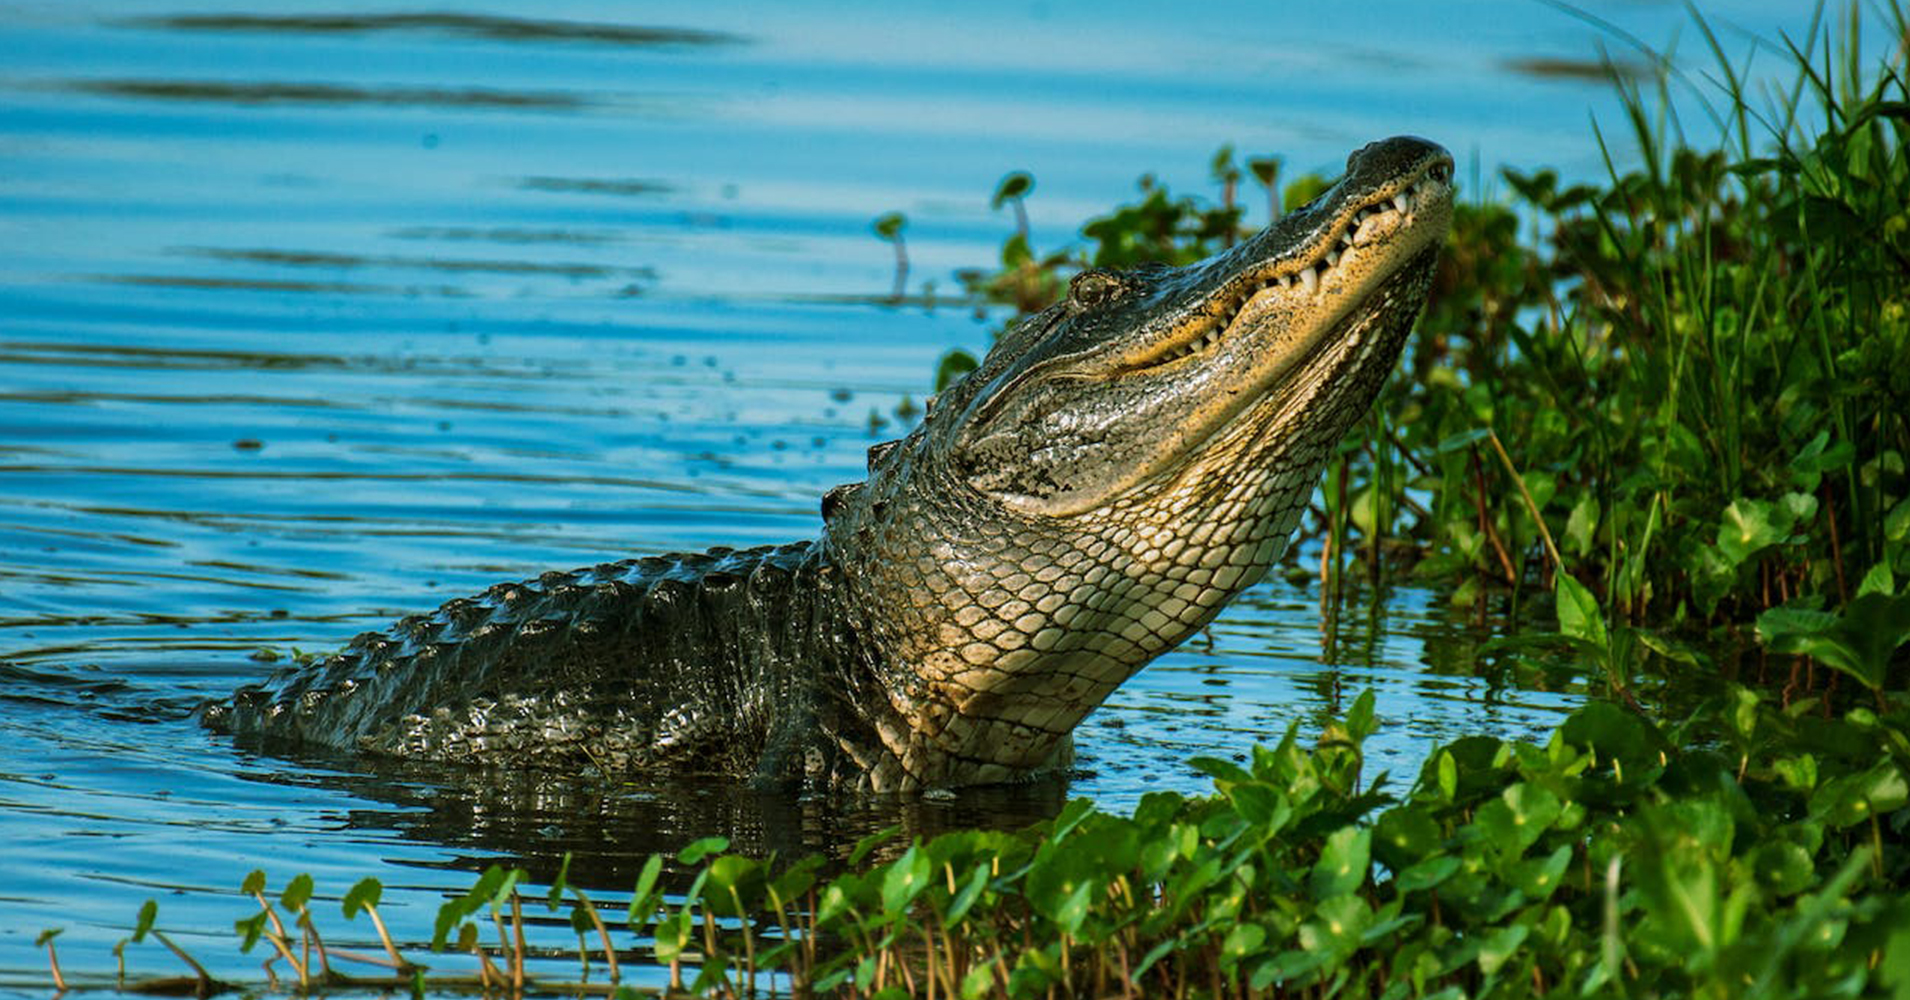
x=1702 y=358
x=1748 y=850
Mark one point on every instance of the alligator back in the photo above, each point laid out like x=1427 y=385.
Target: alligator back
x=693 y=662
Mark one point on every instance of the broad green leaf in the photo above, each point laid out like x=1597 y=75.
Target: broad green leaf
x=1878 y=581
x=250 y=930
x=1578 y=611
x=1242 y=942
x=1428 y=874
x=697 y=850
x=1855 y=798
x=297 y=892
x=965 y=897
x=1404 y=834
x=1581 y=528
x=735 y=885
x=148 y=912
x=1538 y=878
x=1518 y=817
x=907 y=876
x=643 y=899
x=1782 y=868
x=980 y=981
x=1071 y=816
x=366 y=893
x=1074 y=909
x=1499 y=945
x=1860 y=642
x=1344 y=860
x=1747 y=527
x=871 y=842
x=1015 y=185
x=672 y=935
x=558 y=884
x=1337 y=925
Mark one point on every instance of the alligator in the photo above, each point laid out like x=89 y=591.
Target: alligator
x=1118 y=468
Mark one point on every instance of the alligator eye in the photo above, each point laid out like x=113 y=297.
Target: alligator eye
x=1092 y=287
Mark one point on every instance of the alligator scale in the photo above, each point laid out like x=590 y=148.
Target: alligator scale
x=1118 y=469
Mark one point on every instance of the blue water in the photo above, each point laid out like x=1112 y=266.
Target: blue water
x=302 y=330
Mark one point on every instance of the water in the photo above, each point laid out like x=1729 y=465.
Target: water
x=317 y=317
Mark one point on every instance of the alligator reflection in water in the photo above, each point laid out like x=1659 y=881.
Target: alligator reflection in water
x=532 y=817
x=1118 y=468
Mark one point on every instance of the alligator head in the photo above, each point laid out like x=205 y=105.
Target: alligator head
x=1118 y=468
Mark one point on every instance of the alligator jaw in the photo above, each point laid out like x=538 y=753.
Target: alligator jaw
x=1330 y=277
x=1117 y=396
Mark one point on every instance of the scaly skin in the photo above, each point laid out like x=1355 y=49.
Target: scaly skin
x=1119 y=468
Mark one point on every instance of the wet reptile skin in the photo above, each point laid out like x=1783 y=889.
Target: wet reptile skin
x=1118 y=469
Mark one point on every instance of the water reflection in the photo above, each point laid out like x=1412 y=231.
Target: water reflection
x=612 y=824
x=319 y=94
x=344 y=261
x=484 y=26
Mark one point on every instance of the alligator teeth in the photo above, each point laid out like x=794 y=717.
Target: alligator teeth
x=1332 y=257
x=1346 y=236
x=1400 y=202
x=1311 y=279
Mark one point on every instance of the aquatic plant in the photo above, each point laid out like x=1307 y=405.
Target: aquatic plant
x=1747 y=849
